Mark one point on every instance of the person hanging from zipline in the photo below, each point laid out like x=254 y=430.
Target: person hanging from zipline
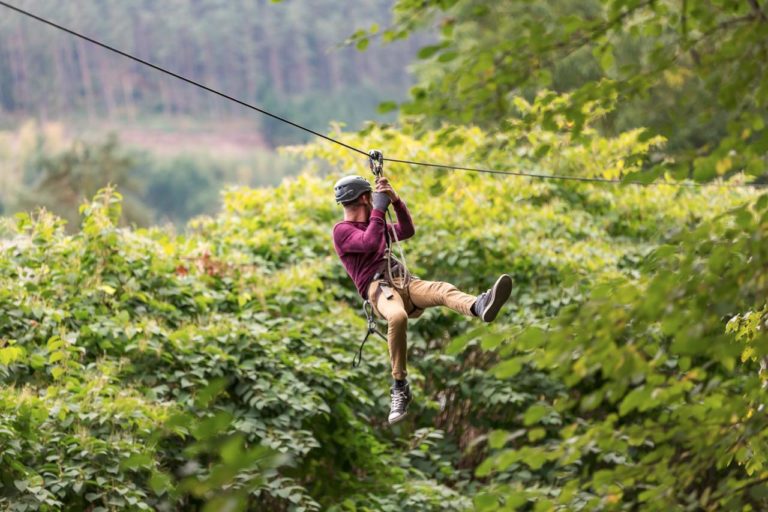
x=362 y=243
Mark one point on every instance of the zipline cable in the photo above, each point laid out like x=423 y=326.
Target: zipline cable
x=352 y=148
x=573 y=178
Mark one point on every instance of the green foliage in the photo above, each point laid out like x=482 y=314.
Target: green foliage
x=660 y=411
x=694 y=73
x=61 y=181
x=147 y=370
x=143 y=369
x=613 y=382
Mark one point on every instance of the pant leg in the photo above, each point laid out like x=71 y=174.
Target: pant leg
x=392 y=309
x=427 y=294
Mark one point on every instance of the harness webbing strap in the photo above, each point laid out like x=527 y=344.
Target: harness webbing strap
x=399 y=282
x=368 y=310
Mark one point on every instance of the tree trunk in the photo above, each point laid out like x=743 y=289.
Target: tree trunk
x=61 y=89
x=85 y=78
x=22 y=85
x=107 y=85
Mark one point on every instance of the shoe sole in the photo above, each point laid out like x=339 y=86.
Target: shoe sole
x=399 y=418
x=402 y=416
x=500 y=293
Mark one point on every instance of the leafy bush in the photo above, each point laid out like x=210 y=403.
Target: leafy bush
x=148 y=370
x=134 y=362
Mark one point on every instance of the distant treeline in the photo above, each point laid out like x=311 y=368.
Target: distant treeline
x=282 y=55
x=40 y=167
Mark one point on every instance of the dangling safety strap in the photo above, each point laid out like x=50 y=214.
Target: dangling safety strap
x=372 y=329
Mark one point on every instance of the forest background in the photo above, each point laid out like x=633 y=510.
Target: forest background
x=174 y=336
x=175 y=147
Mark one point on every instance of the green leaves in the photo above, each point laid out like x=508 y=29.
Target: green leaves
x=691 y=75
x=387 y=106
x=118 y=341
x=206 y=395
x=429 y=51
x=214 y=366
x=639 y=398
x=209 y=427
x=535 y=413
x=507 y=369
x=139 y=460
x=9 y=355
x=459 y=343
x=604 y=55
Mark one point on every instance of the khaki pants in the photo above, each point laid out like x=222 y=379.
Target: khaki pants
x=396 y=307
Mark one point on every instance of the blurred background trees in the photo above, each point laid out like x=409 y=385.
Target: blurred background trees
x=176 y=147
x=286 y=58
x=42 y=167
x=691 y=73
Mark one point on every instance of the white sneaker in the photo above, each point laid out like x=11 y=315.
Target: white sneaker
x=401 y=397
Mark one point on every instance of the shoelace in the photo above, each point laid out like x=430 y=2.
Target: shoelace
x=399 y=398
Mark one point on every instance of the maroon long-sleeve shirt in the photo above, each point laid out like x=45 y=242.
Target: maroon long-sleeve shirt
x=361 y=245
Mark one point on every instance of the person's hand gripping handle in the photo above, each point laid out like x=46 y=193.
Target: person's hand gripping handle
x=384 y=194
x=383 y=186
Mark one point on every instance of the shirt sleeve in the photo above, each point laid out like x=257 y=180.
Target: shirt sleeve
x=404 y=227
x=347 y=239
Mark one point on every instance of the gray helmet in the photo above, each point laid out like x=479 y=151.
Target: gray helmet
x=349 y=188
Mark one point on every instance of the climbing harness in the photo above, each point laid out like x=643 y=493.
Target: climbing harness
x=372 y=329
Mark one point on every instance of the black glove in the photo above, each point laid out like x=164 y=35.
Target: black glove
x=381 y=201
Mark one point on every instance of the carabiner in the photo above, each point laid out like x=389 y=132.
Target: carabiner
x=376 y=162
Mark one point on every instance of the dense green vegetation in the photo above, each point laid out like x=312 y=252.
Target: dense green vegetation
x=694 y=72
x=210 y=368
x=138 y=364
